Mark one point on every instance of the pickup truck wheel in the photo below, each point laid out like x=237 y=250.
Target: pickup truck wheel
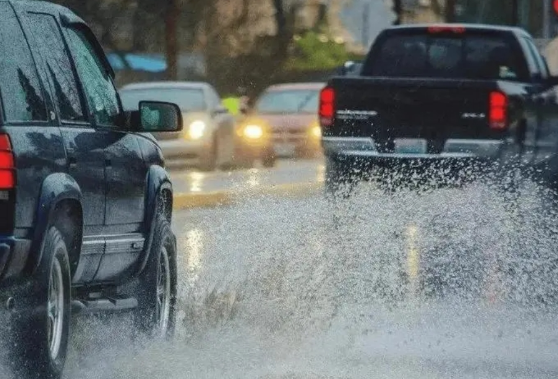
x=41 y=324
x=156 y=312
x=339 y=181
x=269 y=159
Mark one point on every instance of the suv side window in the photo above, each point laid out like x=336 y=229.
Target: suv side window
x=22 y=93
x=100 y=92
x=47 y=38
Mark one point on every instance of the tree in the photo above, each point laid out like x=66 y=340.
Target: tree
x=171 y=51
x=449 y=12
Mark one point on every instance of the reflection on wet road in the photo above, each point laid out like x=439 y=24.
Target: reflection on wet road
x=443 y=284
x=286 y=172
x=389 y=293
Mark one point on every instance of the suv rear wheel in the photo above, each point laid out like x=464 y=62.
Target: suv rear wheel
x=156 y=312
x=41 y=323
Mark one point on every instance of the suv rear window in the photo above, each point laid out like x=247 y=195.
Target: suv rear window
x=467 y=56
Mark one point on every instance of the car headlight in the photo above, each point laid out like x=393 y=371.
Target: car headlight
x=253 y=131
x=196 y=129
x=316 y=131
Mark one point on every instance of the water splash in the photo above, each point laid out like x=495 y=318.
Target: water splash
x=442 y=283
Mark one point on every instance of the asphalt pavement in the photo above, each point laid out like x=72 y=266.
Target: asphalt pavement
x=194 y=189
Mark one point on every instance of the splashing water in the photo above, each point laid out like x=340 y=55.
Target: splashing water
x=444 y=283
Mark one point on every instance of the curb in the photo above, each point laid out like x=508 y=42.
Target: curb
x=228 y=197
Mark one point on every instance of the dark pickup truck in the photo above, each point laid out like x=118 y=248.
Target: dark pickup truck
x=442 y=96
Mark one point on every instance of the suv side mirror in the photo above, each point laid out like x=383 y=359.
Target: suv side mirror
x=157 y=116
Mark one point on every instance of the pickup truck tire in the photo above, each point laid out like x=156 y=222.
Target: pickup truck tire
x=339 y=180
x=269 y=159
x=41 y=326
x=156 y=312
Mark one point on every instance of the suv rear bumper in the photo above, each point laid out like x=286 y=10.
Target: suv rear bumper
x=13 y=257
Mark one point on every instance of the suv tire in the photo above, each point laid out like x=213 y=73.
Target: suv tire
x=156 y=312
x=41 y=324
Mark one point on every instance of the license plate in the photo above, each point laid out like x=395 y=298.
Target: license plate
x=410 y=146
x=284 y=149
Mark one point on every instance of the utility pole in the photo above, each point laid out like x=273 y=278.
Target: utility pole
x=515 y=13
x=450 y=11
x=547 y=10
x=365 y=24
x=171 y=40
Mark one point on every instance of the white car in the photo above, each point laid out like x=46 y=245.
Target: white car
x=208 y=135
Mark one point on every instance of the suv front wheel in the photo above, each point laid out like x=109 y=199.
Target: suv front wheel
x=156 y=312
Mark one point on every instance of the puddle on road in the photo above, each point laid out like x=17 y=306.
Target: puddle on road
x=448 y=283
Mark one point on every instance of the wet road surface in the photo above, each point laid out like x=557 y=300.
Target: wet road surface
x=286 y=172
x=447 y=284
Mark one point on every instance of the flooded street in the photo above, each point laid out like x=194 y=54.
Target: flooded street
x=445 y=284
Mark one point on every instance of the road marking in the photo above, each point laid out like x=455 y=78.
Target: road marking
x=413 y=259
x=228 y=197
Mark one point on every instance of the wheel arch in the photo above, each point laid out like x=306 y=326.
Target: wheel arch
x=59 y=205
x=159 y=198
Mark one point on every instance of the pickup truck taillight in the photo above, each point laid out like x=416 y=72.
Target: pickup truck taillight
x=327 y=106
x=498 y=110
x=7 y=166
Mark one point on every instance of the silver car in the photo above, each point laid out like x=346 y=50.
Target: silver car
x=207 y=139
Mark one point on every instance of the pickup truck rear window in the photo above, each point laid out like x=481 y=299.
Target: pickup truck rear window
x=484 y=57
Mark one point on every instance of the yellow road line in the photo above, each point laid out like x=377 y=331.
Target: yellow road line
x=227 y=197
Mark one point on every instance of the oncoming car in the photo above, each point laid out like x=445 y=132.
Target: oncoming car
x=85 y=201
x=208 y=136
x=290 y=112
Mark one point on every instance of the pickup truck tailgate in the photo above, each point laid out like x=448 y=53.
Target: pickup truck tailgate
x=435 y=110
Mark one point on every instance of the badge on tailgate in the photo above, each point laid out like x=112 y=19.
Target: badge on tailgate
x=410 y=146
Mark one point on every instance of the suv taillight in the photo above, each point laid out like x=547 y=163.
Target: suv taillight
x=327 y=106
x=498 y=110
x=7 y=166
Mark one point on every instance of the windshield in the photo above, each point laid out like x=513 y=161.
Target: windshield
x=292 y=101
x=189 y=100
x=470 y=56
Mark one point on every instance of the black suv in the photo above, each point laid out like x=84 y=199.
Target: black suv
x=85 y=201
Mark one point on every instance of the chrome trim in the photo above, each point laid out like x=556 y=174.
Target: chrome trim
x=453 y=148
x=477 y=147
x=345 y=144
x=375 y=154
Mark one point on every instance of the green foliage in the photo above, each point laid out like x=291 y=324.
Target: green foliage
x=317 y=51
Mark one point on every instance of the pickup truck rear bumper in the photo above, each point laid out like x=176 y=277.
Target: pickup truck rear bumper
x=13 y=257
x=453 y=149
